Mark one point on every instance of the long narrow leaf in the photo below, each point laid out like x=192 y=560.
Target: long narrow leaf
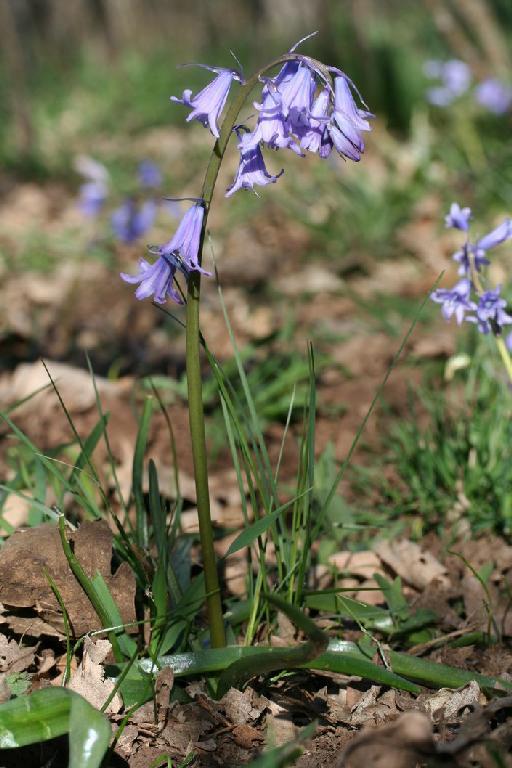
x=52 y=712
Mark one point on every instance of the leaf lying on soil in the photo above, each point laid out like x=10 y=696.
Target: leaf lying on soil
x=25 y=557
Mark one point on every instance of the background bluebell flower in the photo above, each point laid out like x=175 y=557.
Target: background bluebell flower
x=149 y=174
x=455 y=301
x=458 y=217
x=131 y=221
x=455 y=79
x=92 y=197
x=494 y=95
x=490 y=312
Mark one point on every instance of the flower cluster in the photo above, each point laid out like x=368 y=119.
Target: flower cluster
x=454 y=79
x=467 y=300
x=305 y=107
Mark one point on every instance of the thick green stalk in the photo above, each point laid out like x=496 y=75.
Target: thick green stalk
x=193 y=363
x=194 y=384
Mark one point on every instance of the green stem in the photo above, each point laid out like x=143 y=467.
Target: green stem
x=194 y=380
x=502 y=347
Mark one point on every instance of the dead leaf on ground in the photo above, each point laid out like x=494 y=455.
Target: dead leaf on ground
x=448 y=705
x=416 y=566
x=15 y=657
x=402 y=744
x=89 y=679
x=28 y=553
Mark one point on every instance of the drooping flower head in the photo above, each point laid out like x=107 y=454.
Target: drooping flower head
x=208 y=104
x=131 y=221
x=180 y=253
x=251 y=171
x=455 y=79
x=495 y=95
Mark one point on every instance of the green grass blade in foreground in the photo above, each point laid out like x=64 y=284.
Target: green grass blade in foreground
x=284 y=658
x=260 y=526
x=341 y=657
x=137 y=473
x=52 y=712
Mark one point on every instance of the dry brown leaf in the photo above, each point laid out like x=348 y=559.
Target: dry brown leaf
x=413 y=564
x=89 y=679
x=14 y=657
x=402 y=744
x=26 y=555
x=447 y=705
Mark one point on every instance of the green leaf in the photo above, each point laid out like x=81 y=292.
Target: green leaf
x=248 y=535
x=52 y=712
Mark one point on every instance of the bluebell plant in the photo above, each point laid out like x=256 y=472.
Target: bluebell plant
x=470 y=299
x=306 y=107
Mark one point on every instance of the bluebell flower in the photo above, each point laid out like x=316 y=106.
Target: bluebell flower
x=185 y=243
x=130 y=221
x=180 y=253
x=251 y=171
x=458 y=217
x=455 y=79
x=490 y=312
x=475 y=254
x=455 y=301
x=347 y=122
x=296 y=96
x=496 y=236
x=272 y=128
x=149 y=174
x=156 y=279
x=316 y=137
x=469 y=256
x=494 y=95
x=92 y=197
x=208 y=104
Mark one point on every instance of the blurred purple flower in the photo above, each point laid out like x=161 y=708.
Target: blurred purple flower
x=490 y=312
x=92 y=197
x=149 y=174
x=496 y=236
x=475 y=254
x=469 y=256
x=251 y=171
x=494 y=95
x=130 y=221
x=208 y=104
x=455 y=301
x=458 y=217
x=455 y=79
